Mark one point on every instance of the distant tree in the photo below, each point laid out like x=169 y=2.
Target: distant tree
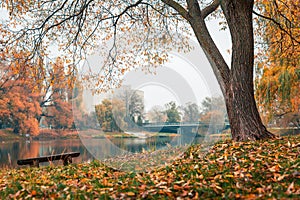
x=80 y=114
x=119 y=113
x=57 y=99
x=104 y=115
x=157 y=114
x=213 y=113
x=91 y=121
x=191 y=112
x=212 y=103
x=19 y=108
x=19 y=96
x=59 y=115
x=110 y=115
x=172 y=112
x=30 y=91
x=136 y=107
x=133 y=102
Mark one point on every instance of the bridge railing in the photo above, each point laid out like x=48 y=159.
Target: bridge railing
x=179 y=124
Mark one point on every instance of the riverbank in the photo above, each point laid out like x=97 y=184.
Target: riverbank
x=52 y=134
x=45 y=134
x=7 y=135
x=230 y=170
x=280 y=131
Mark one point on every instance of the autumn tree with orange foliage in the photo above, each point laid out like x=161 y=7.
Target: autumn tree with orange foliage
x=20 y=109
x=19 y=105
x=278 y=65
x=111 y=115
x=30 y=91
x=58 y=103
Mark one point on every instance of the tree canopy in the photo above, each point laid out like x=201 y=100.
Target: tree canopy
x=214 y=113
x=191 y=112
x=32 y=91
x=278 y=63
x=172 y=112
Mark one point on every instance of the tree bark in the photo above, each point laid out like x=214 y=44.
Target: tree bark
x=244 y=118
x=236 y=82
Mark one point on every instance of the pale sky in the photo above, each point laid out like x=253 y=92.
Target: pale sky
x=185 y=78
x=177 y=81
x=197 y=79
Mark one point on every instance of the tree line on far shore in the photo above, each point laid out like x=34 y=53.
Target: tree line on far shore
x=42 y=98
x=117 y=114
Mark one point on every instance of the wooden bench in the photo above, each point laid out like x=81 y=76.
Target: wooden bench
x=65 y=157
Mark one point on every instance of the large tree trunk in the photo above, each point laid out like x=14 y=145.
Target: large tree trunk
x=245 y=122
x=243 y=115
x=236 y=82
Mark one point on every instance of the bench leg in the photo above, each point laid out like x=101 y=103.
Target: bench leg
x=67 y=160
x=35 y=163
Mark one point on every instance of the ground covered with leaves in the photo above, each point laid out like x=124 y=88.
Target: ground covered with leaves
x=241 y=170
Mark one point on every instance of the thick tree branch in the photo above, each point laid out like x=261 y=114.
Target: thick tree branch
x=203 y=36
x=177 y=7
x=194 y=9
x=211 y=8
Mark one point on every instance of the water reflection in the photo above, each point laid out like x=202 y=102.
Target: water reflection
x=99 y=148
x=10 y=152
x=102 y=148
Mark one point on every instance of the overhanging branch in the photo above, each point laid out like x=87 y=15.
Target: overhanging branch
x=126 y=9
x=278 y=24
x=211 y=8
x=177 y=7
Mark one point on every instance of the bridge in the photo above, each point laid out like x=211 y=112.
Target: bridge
x=179 y=126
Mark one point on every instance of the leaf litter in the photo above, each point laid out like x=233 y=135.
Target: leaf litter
x=240 y=170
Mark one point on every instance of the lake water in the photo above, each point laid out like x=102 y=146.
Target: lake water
x=10 y=151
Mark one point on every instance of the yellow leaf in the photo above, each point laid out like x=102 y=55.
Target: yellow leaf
x=131 y=194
